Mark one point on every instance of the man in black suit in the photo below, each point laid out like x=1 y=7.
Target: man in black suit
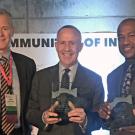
x=115 y=80
x=85 y=83
x=17 y=81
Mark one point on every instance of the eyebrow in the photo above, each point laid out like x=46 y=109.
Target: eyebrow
x=127 y=33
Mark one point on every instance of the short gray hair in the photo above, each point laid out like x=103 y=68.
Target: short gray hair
x=8 y=14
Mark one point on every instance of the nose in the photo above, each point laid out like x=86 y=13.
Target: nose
x=126 y=40
x=67 y=45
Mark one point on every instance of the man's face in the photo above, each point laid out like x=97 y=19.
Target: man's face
x=126 y=39
x=68 y=46
x=6 y=32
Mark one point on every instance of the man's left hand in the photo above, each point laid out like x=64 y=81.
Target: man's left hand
x=77 y=115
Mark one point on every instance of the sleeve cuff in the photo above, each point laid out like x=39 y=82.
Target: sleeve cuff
x=45 y=125
x=83 y=126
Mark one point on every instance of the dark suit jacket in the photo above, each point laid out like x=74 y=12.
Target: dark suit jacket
x=89 y=86
x=25 y=68
x=114 y=82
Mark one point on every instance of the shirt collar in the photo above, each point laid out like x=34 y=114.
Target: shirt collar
x=72 y=68
x=5 y=54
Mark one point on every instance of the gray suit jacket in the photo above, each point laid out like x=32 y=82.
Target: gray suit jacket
x=89 y=86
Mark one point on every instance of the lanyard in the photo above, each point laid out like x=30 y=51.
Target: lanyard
x=7 y=78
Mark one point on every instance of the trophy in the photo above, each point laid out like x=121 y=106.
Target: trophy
x=65 y=100
x=121 y=113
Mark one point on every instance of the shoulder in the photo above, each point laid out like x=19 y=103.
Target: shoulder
x=48 y=70
x=116 y=71
x=88 y=72
x=18 y=57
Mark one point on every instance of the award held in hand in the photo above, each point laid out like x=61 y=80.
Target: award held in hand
x=121 y=113
x=65 y=100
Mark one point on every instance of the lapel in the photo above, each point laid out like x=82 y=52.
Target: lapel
x=120 y=78
x=54 y=80
x=19 y=67
x=79 y=77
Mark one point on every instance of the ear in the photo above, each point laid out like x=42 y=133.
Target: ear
x=12 y=31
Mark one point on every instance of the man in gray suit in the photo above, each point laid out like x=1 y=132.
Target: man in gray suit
x=84 y=83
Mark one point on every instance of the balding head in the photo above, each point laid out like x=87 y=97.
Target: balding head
x=127 y=21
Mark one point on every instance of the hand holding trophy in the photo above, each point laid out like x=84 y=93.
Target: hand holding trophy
x=121 y=113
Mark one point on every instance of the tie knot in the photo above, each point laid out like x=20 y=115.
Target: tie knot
x=131 y=69
x=3 y=59
x=67 y=70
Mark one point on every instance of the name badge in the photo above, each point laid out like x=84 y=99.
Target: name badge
x=11 y=108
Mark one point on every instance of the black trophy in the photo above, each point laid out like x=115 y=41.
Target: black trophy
x=121 y=113
x=63 y=106
x=65 y=100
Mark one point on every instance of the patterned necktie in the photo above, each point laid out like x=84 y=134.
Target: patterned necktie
x=65 y=79
x=5 y=126
x=127 y=81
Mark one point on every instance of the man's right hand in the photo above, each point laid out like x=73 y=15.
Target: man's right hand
x=105 y=111
x=50 y=117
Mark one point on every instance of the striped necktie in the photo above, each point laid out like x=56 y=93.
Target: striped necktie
x=6 y=127
x=65 y=79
